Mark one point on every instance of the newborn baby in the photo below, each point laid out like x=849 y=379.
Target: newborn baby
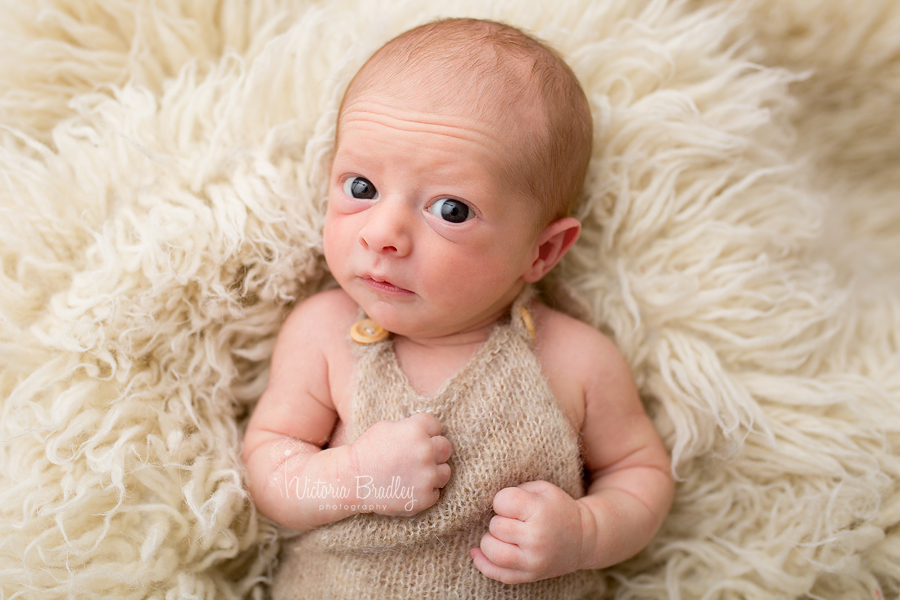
x=430 y=428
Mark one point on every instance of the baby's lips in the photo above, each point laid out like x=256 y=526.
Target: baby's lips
x=384 y=286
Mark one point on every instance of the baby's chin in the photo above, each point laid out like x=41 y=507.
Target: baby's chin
x=416 y=317
x=397 y=324
x=405 y=322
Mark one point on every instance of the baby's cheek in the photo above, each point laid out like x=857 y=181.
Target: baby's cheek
x=333 y=240
x=327 y=246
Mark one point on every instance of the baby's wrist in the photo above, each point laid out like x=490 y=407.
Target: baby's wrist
x=348 y=471
x=358 y=482
x=320 y=493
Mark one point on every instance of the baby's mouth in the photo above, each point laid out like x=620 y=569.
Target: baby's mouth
x=382 y=286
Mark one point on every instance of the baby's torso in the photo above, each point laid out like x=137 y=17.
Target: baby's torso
x=505 y=427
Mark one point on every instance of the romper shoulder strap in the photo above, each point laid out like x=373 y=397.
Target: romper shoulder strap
x=520 y=316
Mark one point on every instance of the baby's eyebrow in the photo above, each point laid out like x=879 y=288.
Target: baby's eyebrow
x=356 y=155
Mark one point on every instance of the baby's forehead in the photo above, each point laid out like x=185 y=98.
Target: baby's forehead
x=468 y=93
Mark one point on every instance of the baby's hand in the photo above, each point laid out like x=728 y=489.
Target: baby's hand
x=535 y=534
x=401 y=465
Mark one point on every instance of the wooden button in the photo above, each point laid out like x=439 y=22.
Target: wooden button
x=367 y=331
x=526 y=318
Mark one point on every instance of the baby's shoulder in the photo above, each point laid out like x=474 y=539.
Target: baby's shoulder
x=563 y=334
x=322 y=317
x=573 y=351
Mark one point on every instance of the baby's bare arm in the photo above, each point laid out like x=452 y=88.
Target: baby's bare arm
x=631 y=486
x=540 y=531
x=291 y=423
x=291 y=478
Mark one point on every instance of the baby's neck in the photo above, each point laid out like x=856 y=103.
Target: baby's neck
x=429 y=362
x=461 y=339
x=473 y=334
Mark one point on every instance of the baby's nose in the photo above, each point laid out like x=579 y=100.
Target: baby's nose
x=387 y=230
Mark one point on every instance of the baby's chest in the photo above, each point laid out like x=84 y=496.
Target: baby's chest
x=433 y=391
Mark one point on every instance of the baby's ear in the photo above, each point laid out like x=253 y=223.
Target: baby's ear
x=550 y=246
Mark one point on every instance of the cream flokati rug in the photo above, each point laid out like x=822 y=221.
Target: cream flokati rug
x=162 y=169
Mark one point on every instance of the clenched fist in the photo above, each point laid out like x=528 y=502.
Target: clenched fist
x=401 y=466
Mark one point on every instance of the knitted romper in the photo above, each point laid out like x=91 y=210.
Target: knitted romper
x=505 y=428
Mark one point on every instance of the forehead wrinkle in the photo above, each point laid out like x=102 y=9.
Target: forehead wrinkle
x=414 y=121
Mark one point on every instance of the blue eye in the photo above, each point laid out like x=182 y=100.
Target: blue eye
x=450 y=210
x=360 y=188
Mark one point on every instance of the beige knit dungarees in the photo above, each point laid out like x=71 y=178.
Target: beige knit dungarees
x=505 y=428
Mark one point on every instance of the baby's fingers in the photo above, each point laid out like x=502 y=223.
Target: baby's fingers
x=443 y=475
x=429 y=423
x=515 y=503
x=442 y=448
x=511 y=531
x=502 y=554
x=484 y=562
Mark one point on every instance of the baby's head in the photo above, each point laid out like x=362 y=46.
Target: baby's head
x=500 y=75
x=460 y=148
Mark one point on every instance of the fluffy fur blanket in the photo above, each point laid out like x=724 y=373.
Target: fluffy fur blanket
x=162 y=168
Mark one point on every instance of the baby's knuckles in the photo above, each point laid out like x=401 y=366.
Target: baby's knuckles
x=551 y=533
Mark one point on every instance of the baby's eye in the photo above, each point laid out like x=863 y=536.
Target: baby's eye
x=360 y=188
x=453 y=211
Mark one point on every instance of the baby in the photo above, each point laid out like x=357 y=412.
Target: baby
x=430 y=427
